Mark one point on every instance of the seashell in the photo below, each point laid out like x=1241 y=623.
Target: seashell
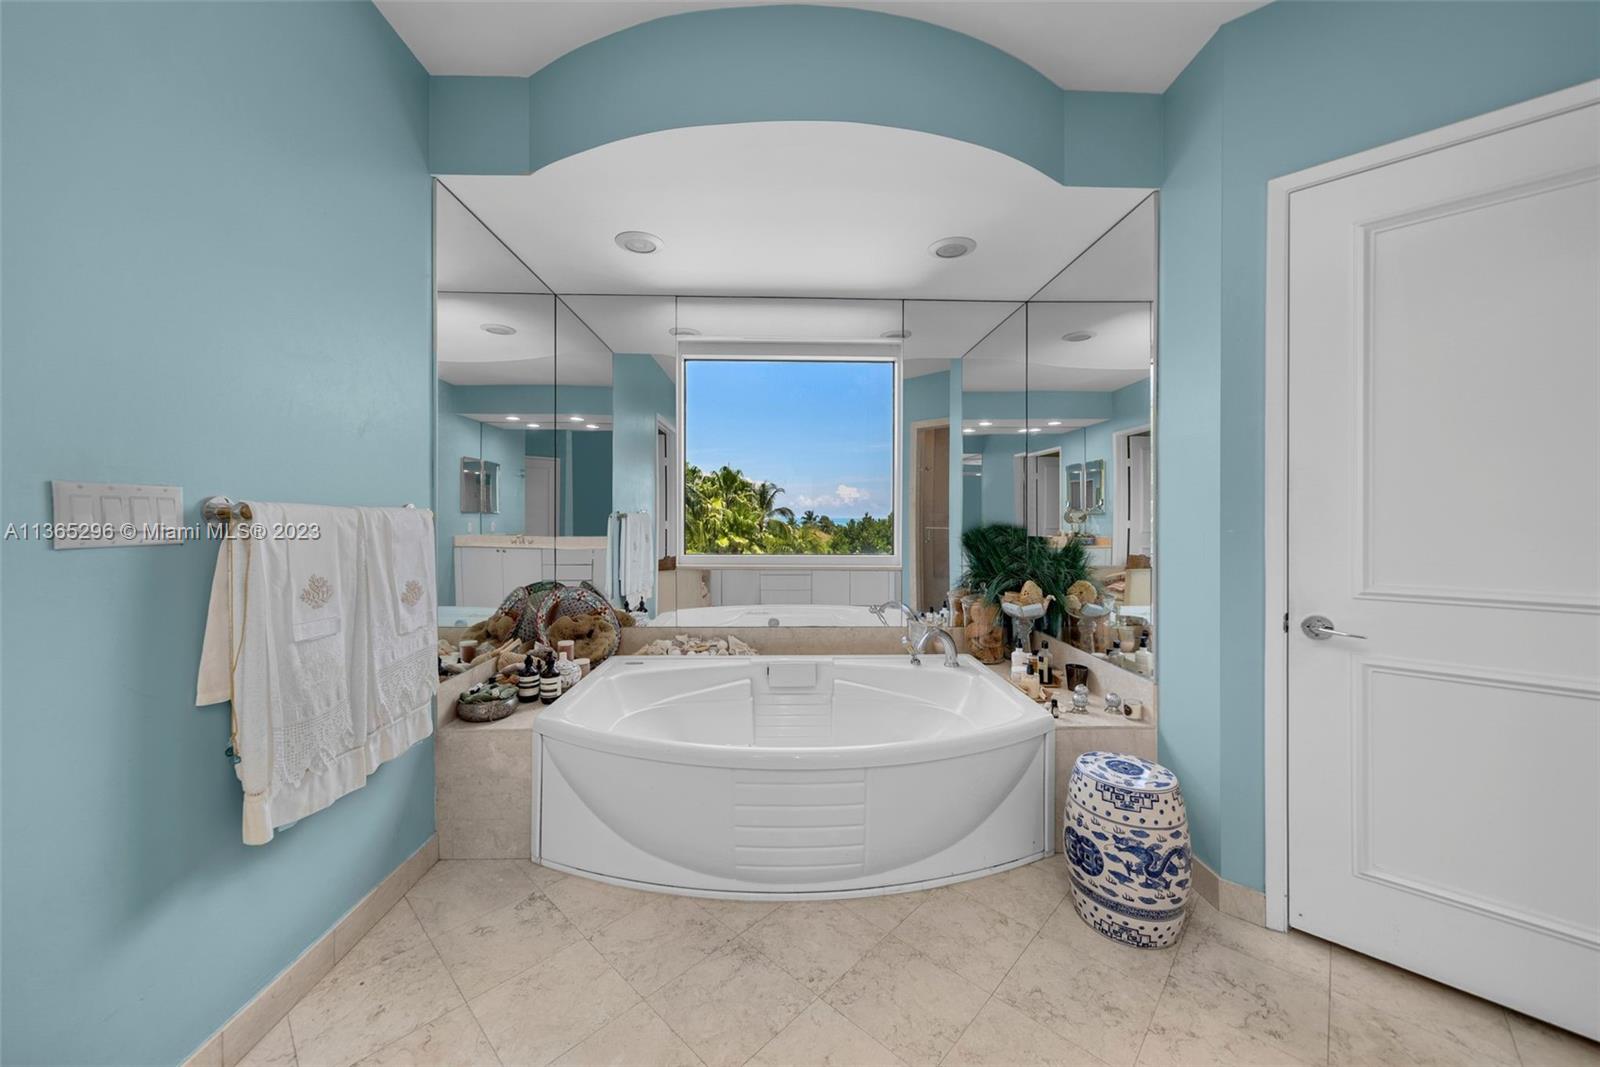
x=1084 y=591
x=1031 y=593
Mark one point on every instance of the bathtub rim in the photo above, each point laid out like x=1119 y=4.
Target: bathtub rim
x=892 y=753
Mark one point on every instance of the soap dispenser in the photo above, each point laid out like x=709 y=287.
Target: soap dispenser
x=1144 y=660
x=527 y=681
x=549 y=681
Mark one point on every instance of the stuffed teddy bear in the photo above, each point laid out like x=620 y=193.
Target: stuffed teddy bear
x=593 y=636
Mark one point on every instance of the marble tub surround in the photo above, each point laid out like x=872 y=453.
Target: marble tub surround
x=505 y=962
x=484 y=784
x=1103 y=676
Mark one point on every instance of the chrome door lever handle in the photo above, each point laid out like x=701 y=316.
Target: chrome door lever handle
x=1320 y=628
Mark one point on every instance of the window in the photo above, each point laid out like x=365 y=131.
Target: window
x=789 y=457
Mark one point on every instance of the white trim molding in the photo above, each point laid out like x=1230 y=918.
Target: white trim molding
x=1276 y=607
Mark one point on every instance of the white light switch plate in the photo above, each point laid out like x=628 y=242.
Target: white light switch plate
x=116 y=516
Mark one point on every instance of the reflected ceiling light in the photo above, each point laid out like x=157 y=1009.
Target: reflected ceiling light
x=533 y=425
x=1036 y=429
x=513 y=418
x=1022 y=429
x=499 y=329
x=896 y=335
x=985 y=422
x=574 y=418
x=637 y=241
x=952 y=247
x=968 y=429
x=590 y=426
x=1077 y=335
x=1053 y=422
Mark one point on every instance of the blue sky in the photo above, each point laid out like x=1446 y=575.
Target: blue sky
x=824 y=431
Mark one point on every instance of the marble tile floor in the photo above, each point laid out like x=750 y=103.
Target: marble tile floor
x=502 y=962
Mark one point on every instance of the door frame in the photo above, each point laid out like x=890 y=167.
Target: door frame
x=1120 y=511
x=555 y=480
x=1276 y=628
x=912 y=589
x=670 y=525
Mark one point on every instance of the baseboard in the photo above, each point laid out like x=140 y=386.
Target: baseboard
x=266 y=1009
x=1230 y=898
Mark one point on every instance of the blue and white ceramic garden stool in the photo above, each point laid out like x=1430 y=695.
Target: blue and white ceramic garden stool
x=1126 y=838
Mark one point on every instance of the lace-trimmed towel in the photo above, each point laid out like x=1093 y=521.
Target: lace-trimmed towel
x=308 y=693
x=401 y=660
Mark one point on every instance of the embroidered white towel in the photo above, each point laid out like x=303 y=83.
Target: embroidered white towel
x=399 y=660
x=301 y=739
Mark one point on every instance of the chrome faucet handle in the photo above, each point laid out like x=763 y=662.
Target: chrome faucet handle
x=913 y=648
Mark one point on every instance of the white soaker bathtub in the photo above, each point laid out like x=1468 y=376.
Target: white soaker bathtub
x=791 y=777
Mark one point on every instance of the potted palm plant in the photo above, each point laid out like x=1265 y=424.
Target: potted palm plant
x=1001 y=557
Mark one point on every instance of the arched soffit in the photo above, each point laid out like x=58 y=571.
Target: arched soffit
x=759 y=64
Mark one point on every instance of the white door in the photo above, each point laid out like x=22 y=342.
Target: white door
x=1134 y=496
x=539 y=496
x=1444 y=501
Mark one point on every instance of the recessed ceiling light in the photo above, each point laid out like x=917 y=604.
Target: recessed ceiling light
x=590 y=426
x=499 y=329
x=968 y=429
x=1077 y=335
x=1036 y=429
x=952 y=247
x=897 y=335
x=1053 y=422
x=684 y=331
x=513 y=418
x=1022 y=429
x=532 y=425
x=574 y=418
x=637 y=241
x=985 y=422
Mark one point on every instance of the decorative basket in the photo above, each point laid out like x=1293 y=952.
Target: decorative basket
x=486 y=710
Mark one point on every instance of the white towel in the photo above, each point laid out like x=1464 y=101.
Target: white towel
x=638 y=558
x=399 y=657
x=301 y=738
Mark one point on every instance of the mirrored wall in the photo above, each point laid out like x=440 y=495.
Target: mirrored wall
x=718 y=463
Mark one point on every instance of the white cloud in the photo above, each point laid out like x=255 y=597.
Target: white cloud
x=843 y=496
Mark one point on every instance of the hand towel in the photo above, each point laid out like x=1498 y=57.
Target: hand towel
x=398 y=664
x=638 y=558
x=300 y=738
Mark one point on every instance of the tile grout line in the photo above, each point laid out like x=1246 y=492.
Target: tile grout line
x=465 y=1003
x=996 y=990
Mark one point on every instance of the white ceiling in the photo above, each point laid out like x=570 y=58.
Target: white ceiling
x=1121 y=265
x=1136 y=46
x=767 y=208
x=544 y=420
x=468 y=258
x=735 y=218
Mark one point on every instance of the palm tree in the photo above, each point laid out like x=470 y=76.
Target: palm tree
x=767 y=494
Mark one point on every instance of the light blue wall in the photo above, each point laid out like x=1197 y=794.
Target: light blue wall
x=506 y=448
x=641 y=391
x=216 y=275
x=775 y=63
x=458 y=437
x=1130 y=407
x=923 y=398
x=1281 y=89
